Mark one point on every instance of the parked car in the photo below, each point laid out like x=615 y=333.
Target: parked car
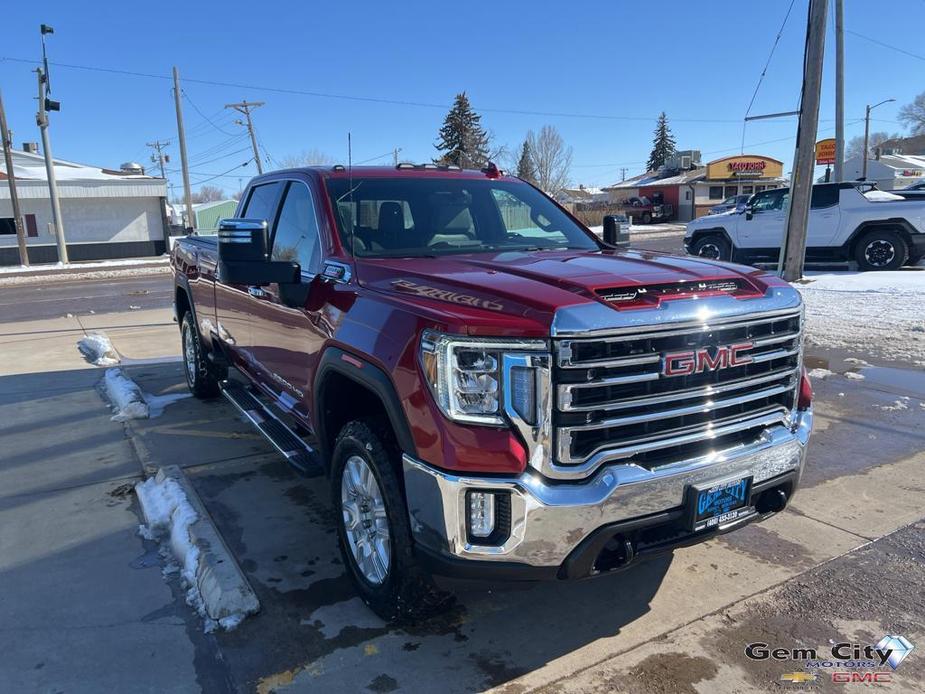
x=492 y=391
x=733 y=202
x=646 y=211
x=847 y=221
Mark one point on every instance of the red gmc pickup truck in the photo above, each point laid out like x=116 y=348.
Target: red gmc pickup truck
x=492 y=390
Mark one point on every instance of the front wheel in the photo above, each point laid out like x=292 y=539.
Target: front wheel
x=646 y=218
x=712 y=247
x=373 y=527
x=881 y=249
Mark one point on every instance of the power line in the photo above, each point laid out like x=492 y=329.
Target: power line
x=885 y=45
x=199 y=183
x=204 y=116
x=370 y=99
x=770 y=56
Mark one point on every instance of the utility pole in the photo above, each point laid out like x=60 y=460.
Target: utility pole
x=6 y=137
x=839 y=90
x=184 y=164
x=159 y=157
x=41 y=119
x=793 y=248
x=623 y=174
x=867 y=135
x=245 y=107
x=395 y=155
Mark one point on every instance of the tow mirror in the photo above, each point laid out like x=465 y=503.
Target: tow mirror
x=748 y=213
x=616 y=230
x=243 y=255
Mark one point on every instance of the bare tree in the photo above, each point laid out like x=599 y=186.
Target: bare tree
x=913 y=115
x=208 y=194
x=307 y=157
x=855 y=146
x=551 y=158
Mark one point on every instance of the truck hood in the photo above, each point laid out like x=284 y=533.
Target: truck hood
x=479 y=288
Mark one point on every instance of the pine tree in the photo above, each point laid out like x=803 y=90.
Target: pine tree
x=463 y=142
x=662 y=144
x=526 y=167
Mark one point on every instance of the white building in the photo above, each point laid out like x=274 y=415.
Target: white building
x=889 y=171
x=106 y=213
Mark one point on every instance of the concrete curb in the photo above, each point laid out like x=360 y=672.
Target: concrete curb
x=227 y=596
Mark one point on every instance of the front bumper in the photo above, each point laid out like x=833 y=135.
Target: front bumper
x=559 y=529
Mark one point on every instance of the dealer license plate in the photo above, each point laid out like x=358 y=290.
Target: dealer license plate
x=718 y=503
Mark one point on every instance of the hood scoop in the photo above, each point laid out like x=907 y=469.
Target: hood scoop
x=652 y=295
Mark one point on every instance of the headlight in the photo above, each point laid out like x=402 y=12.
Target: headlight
x=466 y=376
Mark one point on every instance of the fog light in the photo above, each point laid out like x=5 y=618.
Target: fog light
x=481 y=514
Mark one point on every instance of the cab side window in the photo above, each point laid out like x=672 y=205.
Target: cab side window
x=261 y=203
x=296 y=238
x=769 y=200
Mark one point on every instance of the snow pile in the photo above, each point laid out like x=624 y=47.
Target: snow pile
x=879 y=313
x=125 y=395
x=169 y=517
x=820 y=374
x=97 y=349
x=901 y=403
x=93 y=265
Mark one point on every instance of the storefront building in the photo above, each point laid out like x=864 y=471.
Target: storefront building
x=742 y=174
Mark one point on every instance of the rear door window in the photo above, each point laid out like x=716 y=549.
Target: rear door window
x=824 y=196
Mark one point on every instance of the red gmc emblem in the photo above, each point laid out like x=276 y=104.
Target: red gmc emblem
x=699 y=360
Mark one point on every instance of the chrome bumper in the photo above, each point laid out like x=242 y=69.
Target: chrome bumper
x=549 y=520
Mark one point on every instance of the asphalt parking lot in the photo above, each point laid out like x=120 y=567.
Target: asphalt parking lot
x=87 y=606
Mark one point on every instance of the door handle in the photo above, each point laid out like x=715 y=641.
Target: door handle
x=257 y=292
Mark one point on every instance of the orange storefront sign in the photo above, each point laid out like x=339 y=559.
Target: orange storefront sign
x=825 y=151
x=744 y=166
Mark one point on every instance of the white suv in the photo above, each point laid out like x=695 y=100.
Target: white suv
x=847 y=221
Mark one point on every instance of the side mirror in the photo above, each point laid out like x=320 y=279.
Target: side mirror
x=243 y=255
x=616 y=230
x=748 y=213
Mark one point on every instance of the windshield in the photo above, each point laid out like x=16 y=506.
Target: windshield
x=415 y=217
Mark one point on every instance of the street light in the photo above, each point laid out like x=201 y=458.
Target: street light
x=867 y=135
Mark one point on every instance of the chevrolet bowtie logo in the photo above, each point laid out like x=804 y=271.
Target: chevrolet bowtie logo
x=798 y=677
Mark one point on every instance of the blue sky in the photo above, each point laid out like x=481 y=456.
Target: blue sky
x=697 y=61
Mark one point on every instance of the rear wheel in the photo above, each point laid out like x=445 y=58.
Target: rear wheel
x=201 y=378
x=646 y=218
x=881 y=249
x=713 y=247
x=373 y=527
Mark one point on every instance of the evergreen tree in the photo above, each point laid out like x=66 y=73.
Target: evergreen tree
x=662 y=144
x=526 y=167
x=463 y=142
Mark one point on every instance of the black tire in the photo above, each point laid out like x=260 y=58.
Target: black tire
x=712 y=247
x=201 y=378
x=646 y=218
x=881 y=249
x=407 y=592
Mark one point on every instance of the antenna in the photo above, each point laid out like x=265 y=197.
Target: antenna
x=354 y=212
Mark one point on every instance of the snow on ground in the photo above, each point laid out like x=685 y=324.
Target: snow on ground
x=100 y=273
x=89 y=265
x=125 y=395
x=880 y=313
x=97 y=349
x=157 y=403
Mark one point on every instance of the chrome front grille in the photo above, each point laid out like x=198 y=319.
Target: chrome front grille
x=613 y=401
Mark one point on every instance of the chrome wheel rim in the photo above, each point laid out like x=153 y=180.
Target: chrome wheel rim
x=365 y=521
x=879 y=253
x=189 y=355
x=709 y=250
